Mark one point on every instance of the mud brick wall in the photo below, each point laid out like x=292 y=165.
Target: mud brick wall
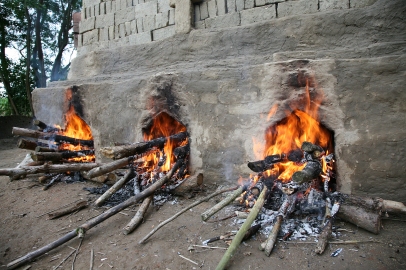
x=114 y=23
x=110 y=24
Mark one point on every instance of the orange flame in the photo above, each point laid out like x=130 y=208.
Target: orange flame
x=76 y=127
x=163 y=125
x=291 y=132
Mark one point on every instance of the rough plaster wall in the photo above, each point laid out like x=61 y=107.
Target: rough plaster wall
x=228 y=79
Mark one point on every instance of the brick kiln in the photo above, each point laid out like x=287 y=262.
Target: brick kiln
x=219 y=66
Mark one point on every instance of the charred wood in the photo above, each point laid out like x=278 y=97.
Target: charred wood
x=44 y=127
x=251 y=231
x=118 y=152
x=54 y=179
x=115 y=187
x=44 y=149
x=267 y=163
x=26 y=144
x=50 y=136
x=311 y=171
x=59 y=156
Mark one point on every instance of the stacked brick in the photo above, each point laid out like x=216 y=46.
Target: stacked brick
x=230 y=13
x=113 y=23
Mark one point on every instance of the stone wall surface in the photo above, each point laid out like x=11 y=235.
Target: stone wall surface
x=226 y=79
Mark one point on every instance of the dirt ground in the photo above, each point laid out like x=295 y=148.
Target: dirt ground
x=22 y=231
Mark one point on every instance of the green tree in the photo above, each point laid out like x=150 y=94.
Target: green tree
x=40 y=31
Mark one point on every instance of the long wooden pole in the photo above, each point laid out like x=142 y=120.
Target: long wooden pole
x=244 y=228
x=15 y=173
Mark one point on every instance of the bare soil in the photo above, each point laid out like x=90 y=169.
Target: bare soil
x=22 y=231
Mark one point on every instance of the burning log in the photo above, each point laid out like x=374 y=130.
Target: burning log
x=59 y=156
x=118 y=152
x=242 y=231
x=26 y=144
x=50 y=136
x=267 y=163
x=44 y=149
x=16 y=173
x=109 y=167
x=182 y=153
x=80 y=205
x=310 y=172
x=139 y=216
x=231 y=197
x=114 y=188
x=268 y=245
x=42 y=126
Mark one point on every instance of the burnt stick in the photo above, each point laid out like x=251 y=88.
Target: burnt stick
x=58 y=156
x=50 y=136
x=266 y=163
x=42 y=126
x=118 y=152
x=120 y=183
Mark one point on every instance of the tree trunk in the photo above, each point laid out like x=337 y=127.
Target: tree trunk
x=28 y=60
x=38 y=55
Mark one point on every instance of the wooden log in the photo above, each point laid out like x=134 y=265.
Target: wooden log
x=80 y=205
x=322 y=239
x=368 y=220
x=26 y=144
x=311 y=171
x=242 y=231
x=393 y=207
x=94 y=221
x=189 y=184
x=139 y=216
x=59 y=156
x=15 y=173
x=115 y=187
x=50 y=136
x=270 y=242
x=231 y=197
x=119 y=152
x=109 y=167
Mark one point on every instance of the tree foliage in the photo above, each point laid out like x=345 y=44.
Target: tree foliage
x=40 y=32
